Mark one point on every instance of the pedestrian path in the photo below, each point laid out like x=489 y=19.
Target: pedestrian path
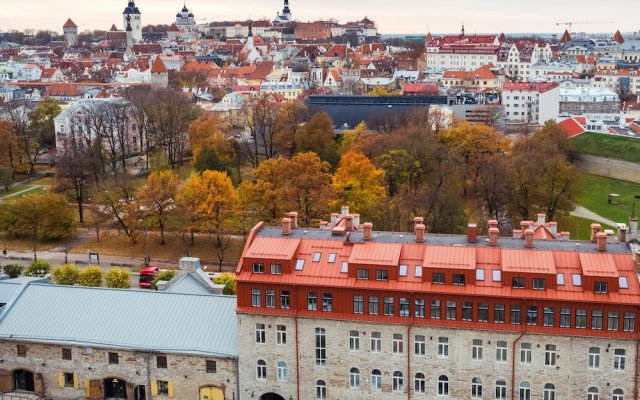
x=588 y=214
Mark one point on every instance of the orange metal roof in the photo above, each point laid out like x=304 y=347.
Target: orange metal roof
x=543 y=233
x=450 y=258
x=273 y=248
x=598 y=264
x=376 y=253
x=531 y=261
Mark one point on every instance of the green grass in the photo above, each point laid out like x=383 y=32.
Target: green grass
x=593 y=192
x=12 y=190
x=579 y=228
x=610 y=146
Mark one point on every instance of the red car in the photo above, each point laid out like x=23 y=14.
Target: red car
x=146 y=276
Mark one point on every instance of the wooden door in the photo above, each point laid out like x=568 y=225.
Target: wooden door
x=211 y=393
x=6 y=381
x=95 y=389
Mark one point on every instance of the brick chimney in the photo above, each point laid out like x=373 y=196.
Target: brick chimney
x=528 y=238
x=542 y=218
x=553 y=228
x=286 y=226
x=493 y=223
x=493 y=236
x=294 y=219
x=472 y=233
x=601 y=240
x=348 y=223
x=623 y=232
x=517 y=234
x=595 y=228
x=367 y=228
x=417 y=221
x=524 y=225
x=419 y=230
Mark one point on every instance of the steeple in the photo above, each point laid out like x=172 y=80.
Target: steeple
x=286 y=10
x=566 y=37
x=462 y=32
x=250 y=28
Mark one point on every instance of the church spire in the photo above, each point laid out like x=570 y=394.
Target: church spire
x=286 y=10
x=462 y=33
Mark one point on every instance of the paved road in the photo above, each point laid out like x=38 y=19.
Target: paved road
x=588 y=214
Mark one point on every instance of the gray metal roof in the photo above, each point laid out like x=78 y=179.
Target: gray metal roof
x=187 y=284
x=124 y=319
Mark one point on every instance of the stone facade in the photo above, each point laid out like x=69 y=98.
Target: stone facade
x=91 y=370
x=570 y=375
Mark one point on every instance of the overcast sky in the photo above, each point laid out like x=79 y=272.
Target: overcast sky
x=391 y=16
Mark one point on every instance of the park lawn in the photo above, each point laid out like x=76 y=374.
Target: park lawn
x=119 y=244
x=579 y=228
x=13 y=189
x=593 y=191
x=610 y=146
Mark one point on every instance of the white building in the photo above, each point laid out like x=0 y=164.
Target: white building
x=588 y=99
x=27 y=72
x=518 y=58
x=530 y=102
x=461 y=52
x=185 y=20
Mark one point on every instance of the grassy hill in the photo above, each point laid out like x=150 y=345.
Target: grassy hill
x=610 y=146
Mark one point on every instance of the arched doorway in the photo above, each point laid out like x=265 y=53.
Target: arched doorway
x=271 y=396
x=23 y=380
x=114 y=388
x=211 y=393
x=139 y=393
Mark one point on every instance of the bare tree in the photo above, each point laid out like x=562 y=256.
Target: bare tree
x=261 y=115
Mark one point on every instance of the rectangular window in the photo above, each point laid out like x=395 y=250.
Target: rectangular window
x=525 y=353
x=496 y=275
x=211 y=367
x=467 y=311
x=270 y=298
x=501 y=351
x=483 y=312
x=113 y=358
x=261 y=333
x=404 y=307
x=21 y=350
x=299 y=264
x=373 y=305
x=66 y=354
x=437 y=278
x=258 y=268
x=452 y=310
x=435 y=309
x=420 y=345
x=163 y=387
x=550 y=355
x=565 y=318
x=316 y=256
x=443 y=347
x=601 y=287
x=581 y=319
x=498 y=313
x=276 y=269
x=284 y=299
x=388 y=306
x=476 y=349
x=354 y=340
x=376 y=342
x=516 y=312
x=255 y=298
x=479 y=274
x=619 y=359
x=68 y=379
x=594 y=357
x=327 y=302
x=362 y=273
x=419 y=308
x=532 y=315
x=539 y=283
x=382 y=275
x=332 y=258
x=548 y=318
x=358 y=304
x=629 y=322
x=281 y=335
x=161 y=361
x=517 y=282
x=458 y=279
x=312 y=301
x=596 y=319
x=398 y=343
x=321 y=347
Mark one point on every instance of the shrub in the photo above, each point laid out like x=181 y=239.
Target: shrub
x=66 y=274
x=117 y=278
x=229 y=281
x=13 y=270
x=38 y=268
x=162 y=276
x=90 y=276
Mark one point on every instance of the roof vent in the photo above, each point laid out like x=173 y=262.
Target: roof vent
x=493 y=236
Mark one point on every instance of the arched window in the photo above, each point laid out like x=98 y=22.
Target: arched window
x=354 y=378
x=525 y=391
x=501 y=390
x=476 y=388
x=376 y=379
x=443 y=385
x=592 y=393
x=549 y=392
x=419 y=384
x=283 y=373
x=261 y=369
x=398 y=382
x=618 y=394
x=321 y=390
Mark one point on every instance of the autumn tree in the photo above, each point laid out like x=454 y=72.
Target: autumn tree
x=90 y=276
x=208 y=131
x=264 y=194
x=9 y=151
x=351 y=139
x=118 y=278
x=318 y=136
x=28 y=140
x=260 y=118
x=6 y=177
x=358 y=184
x=208 y=159
x=41 y=120
x=290 y=119
x=74 y=171
x=66 y=274
x=157 y=196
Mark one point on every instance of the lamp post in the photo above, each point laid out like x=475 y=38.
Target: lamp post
x=146 y=243
x=633 y=210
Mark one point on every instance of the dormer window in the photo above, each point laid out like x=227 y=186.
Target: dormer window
x=437 y=278
x=382 y=275
x=517 y=282
x=276 y=269
x=362 y=273
x=539 y=283
x=258 y=268
x=458 y=279
x=601 y=287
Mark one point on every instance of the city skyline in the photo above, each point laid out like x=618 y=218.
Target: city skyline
x=406 y=17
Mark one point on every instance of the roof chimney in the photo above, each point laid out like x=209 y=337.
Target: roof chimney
x=419 y=230
x=356 y=221
x=334 y=218
x=367 y=227
x=528 y=238
x=553 y=227
x=633 y=226
x=294 y=219
x=623 y=231
x=286 y=226
x=541 y=218
x=417 y=221
x=493 y=223
x=493 y=236
x=601 y=239
x=517 y=234
x=595 y=228
x=472 y=233
x=348 y=223
x=524 y=225
x=344 y=210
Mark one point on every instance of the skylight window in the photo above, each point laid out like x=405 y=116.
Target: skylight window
x=576 y=279
x=403 y=269
x=332 y=258
x=479 y=274
x=560 y=279
x=299 y=264
x=418 y=271
x=344 y=268
x=316 y=256
x=496 y=275
x=623 y=282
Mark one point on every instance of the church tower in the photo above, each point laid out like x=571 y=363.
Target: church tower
x=159 y=74
x=70 y=30
x=286 y=11
x=136 y=21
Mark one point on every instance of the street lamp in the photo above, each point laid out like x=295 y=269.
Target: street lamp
x=146 y=243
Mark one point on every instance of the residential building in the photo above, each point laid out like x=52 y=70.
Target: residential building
x=517 y=58
x=483 y=77
x=618 y=80
x=461 y=52
x=530 y=102
x=580 y=100
x=312 y=31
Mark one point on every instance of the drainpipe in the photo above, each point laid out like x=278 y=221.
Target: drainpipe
x=637 y=365
x=295 y=319
x=238 y=376
x=409 y=356
x=513 y=351
x=149 y=354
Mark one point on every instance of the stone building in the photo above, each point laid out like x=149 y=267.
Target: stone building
x=70 y=30
x=343 y=312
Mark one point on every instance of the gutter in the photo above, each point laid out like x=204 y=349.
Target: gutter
x=513 y=351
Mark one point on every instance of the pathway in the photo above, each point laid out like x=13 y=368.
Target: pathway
x=588 y=214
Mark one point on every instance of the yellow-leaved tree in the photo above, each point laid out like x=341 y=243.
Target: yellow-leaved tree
x=157 y=196
x=208 y=131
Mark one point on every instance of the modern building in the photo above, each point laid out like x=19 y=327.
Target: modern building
x=530 y=102
x=344 y=312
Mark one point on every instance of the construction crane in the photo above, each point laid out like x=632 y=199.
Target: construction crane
x=571 y=23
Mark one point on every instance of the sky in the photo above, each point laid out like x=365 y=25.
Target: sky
x=396 y=16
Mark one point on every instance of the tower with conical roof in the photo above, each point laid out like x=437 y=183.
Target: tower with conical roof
x=566 y=37
x=286 y=11
x=618 y=37
x=135 y=19
x=70 y=30
x=159 y=74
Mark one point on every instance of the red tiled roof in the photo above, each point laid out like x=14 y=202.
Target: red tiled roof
x=158 y=66
x=541 y=87
x=571 y=127
x=69 y=24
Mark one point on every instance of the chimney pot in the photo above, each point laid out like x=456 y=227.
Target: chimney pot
x=493 y=236
x=367 y=227
x=553 y=227
x=623 y=231
x=472 y=233
x=344 y=210
x=348 y=223
x=633 y=226
x=286 y=226
x=419 y=230
x=601 y=239
x=417 y=221
x=595 y=228
x=294 y=219
x=542 y=218
x=334 y=218
x=517 y=234
x=493 y=223
x=528 y=238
